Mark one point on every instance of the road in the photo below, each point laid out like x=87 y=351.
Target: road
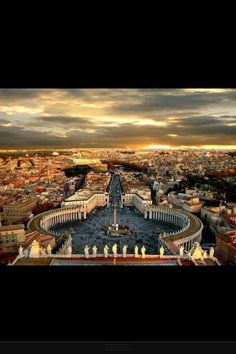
x=89 y=231
x=115 y=190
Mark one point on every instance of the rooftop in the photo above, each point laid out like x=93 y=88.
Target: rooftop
x=82 y=194
x=100 y=261
x=195 y=225
x=11 y=227
x=229 y=237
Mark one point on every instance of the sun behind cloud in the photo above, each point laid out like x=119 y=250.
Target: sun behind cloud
x=169 y=118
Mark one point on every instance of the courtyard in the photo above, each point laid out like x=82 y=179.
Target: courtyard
x=89 y=231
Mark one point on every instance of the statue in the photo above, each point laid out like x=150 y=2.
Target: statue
x=114 y=250
x=49 y=249
x=69 y=250
x=162 y=251
x=21 y=251
x=181 y=251
x=211 y=252
x=42 y=252
x=95 y=251
x=106 y=248
x=136 y=251
x=86 y=251
x=34 y=250
x=143 y=250
x=26 y=252
x=205 y=254
x=124 y=250
x=196 y=252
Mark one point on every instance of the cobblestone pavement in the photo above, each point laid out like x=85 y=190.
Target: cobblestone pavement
x=88 y=232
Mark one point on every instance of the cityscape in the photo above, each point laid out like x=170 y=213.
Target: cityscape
x=117 y=177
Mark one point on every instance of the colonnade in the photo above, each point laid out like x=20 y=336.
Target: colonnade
x=60 y=217
x=170 y=216
x=180 y=219
x=188 y=243
x=184 y=221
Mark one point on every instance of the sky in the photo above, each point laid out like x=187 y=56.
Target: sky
x=117 y=118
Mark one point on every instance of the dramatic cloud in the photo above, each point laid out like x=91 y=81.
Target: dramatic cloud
x=117 y=117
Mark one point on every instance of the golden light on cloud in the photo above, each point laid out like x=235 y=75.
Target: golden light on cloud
x=6 y=124
x=201 y=147
x=219 y=147
x=154 y=119
x=210 y=90
x=58 y=134
x=20 y=109
x=158 y=147
x=151 y=122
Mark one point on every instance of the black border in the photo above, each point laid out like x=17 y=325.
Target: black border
x=104 y=347
x=117 y=303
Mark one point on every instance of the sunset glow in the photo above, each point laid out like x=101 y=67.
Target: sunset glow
x=117 y=118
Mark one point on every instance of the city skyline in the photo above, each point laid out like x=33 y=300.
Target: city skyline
x=118 y=118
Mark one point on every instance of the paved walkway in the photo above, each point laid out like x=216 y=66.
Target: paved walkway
x=88 y=232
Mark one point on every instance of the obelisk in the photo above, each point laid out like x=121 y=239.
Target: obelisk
x=115 y=216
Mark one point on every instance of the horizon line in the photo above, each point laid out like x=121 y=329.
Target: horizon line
x=150 y=147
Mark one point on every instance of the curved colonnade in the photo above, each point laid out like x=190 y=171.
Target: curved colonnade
x=45 y=221
x=190 y=227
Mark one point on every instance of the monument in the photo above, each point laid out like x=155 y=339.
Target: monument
x=42 y=252
x=196 y=252
x=114 y=250
x=115 y=224
x=211 y=252
x=115 y=231
x=86 y=251
x=34 y=250
x=49 y=249
x=69 y=250
x=162 y=251
x=124 y=250
x=181 y=251
x=143 y=250
x=106 y=248
x=21 y=251
x=95 y=251
x=136 y=251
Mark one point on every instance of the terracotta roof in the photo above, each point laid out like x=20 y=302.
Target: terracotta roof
x=11 y=227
